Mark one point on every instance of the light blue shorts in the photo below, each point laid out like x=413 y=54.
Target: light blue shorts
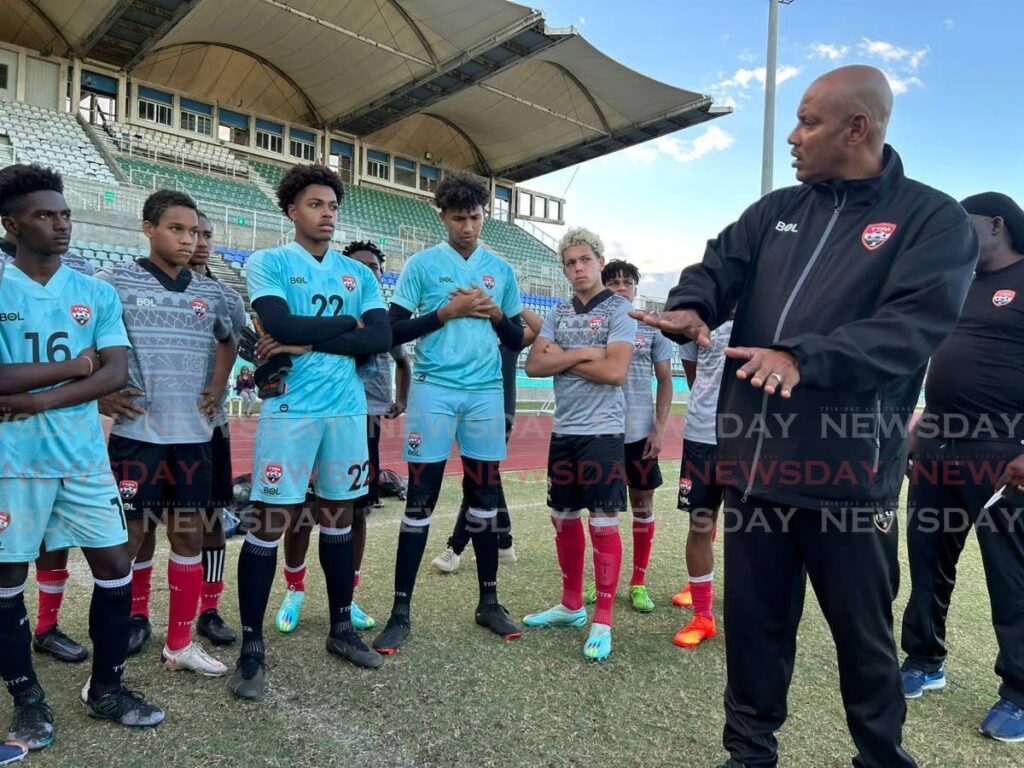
x=438 y=416
x=331 y=450
x=63 y=512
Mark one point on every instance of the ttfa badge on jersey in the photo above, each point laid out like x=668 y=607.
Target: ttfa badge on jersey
x=875 y=235
x=199 y=307
x=81 y=314
x=273 y=473
x=639 y=342
x=5 y=521
x=488 y=282
x=596 y=323
x=1004 y=297
x=414 y=440
x=883 y=519
x=128 y=489
x=685 y=486
x=349 y=282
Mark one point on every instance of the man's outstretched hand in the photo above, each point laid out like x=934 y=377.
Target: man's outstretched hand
x=773 y=369
x=685 y=322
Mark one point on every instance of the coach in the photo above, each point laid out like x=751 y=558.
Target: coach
x=845 y=286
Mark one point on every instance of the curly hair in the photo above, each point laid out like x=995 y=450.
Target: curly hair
x=618 y=267
x=16 y=181
x=355 y=245
x=581 y=236
x=157 y=203
x=460 y=191
x=301 y=176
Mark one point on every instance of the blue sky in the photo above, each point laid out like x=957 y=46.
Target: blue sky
x=958 y=121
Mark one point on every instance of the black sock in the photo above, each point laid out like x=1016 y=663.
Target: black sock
x=109 y=617
x=504 y=522
x=15 y=640
x=412 y=540
x=213 y=564
x=257 y=565
x=337 y=558
x=485 y=544
x=460 y=537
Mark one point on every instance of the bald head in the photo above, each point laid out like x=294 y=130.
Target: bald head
x=843 y=118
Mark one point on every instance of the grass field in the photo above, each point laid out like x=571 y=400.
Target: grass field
x=457 y=696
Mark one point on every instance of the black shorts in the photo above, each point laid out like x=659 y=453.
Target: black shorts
x=222 y=481
x=699 y=490
x=153 y=477
x=587 y=472
x=373 y=451
x=641 y=474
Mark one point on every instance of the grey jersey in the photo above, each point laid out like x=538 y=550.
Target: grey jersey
x=172 y=325
x=584 y=407
x=649 y=347
x=71 y=259
x=236 y=314
x=376 y=378
x=701 y=413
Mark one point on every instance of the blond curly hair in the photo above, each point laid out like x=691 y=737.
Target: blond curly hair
x=581 y=236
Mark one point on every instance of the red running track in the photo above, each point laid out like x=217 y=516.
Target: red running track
x=528 y=448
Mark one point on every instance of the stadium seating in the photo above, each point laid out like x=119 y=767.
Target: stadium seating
x=231 y=192
x=135 y=139
x=51 y=138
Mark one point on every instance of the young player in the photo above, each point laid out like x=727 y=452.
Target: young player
x=211 y=624
x=700 y=493
x=465 y=299
x=449 y=560
x=375 y=376
x=307 y=294
x=62 y=345
x=160 y=443
x=645 y=429
x=587 y=345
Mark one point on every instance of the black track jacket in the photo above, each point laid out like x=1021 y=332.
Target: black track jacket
x=861 y=280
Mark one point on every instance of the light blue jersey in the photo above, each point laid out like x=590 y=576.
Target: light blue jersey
x=463 y=353
x=318 y=384
x=52 y=323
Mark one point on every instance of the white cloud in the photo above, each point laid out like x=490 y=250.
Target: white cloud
x=583 y=20
x=747 y=56
x=888 y=52
x=681 y=150
x=902 y=84
x=948 y=24
x=744 y=77
x=828 y=51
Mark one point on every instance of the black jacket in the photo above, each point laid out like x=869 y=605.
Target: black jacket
x=861 y=280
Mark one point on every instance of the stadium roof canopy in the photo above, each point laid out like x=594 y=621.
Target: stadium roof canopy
x=519 y=98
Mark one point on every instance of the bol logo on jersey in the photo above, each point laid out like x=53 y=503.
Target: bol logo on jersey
x=414 y=440
x=81 y=314
x=199 y=307
x=349 y=282
x=5 y=521
x=273 y=473
x=1004 y=297
x=596 y=323
x=488 y=282
x=875 y=235
x=128 y=489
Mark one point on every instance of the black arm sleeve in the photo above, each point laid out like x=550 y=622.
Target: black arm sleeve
x=374 y=337
x=510 y=332
x=405 y=327
x=287 y=328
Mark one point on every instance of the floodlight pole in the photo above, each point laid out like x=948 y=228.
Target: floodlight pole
x=768 y=145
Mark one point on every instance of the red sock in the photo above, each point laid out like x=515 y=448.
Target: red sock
x=607 y=563
x=355 y=580
x=571 y=546
x=51 y=595
x=295 y=578
x=643 y=540
x=209 y=597
x=703 y=590
x=185 y=580
x=142 y=578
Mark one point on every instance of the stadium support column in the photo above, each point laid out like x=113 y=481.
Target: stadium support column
x=768 y=146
